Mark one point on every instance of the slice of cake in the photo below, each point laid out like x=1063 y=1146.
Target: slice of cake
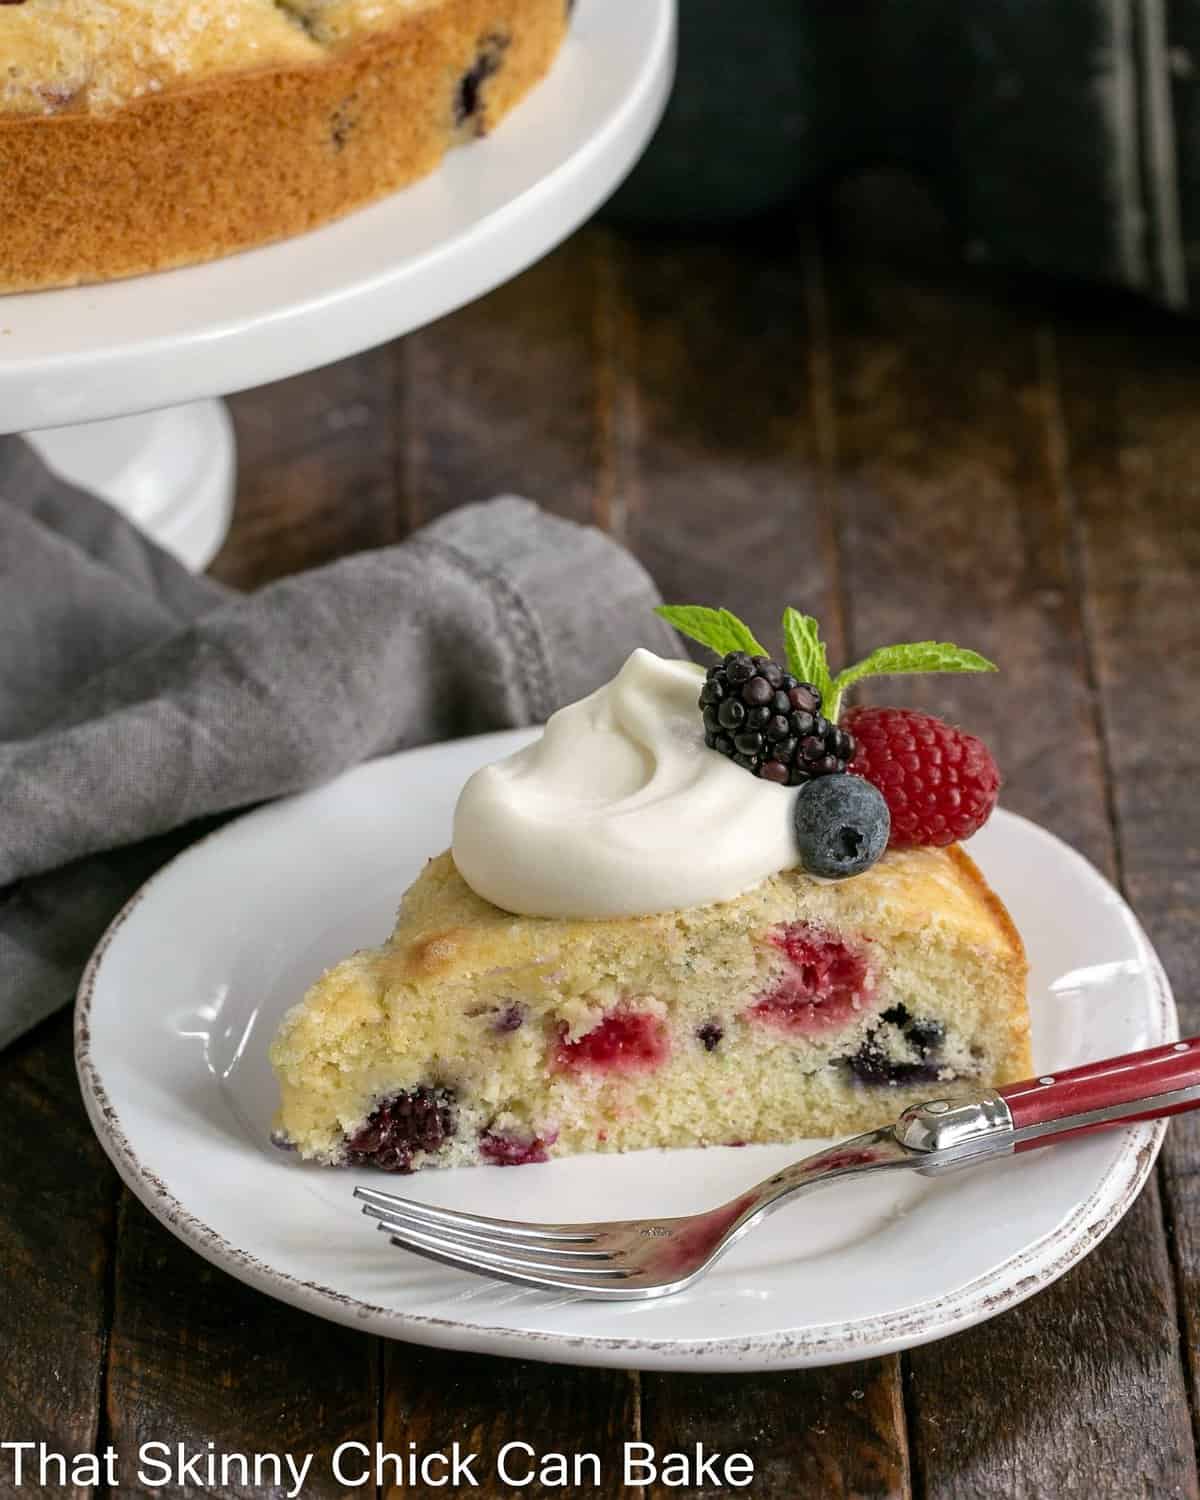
x=665 y=927
x=800 y=1008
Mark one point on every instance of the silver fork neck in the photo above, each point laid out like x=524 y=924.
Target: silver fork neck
x=948 y=1133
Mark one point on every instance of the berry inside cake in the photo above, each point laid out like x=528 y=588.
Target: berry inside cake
x=624 y=949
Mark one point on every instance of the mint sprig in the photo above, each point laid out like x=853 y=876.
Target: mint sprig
x=807 y=658
x=721 y=631
x=718 y=629
x=914 y=656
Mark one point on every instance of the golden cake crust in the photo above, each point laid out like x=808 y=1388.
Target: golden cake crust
x=234 y=160
x=445 y=930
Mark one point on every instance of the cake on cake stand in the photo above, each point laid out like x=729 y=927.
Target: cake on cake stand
x=116 y=385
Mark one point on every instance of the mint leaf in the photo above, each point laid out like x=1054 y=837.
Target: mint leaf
x=806 y=655
x=717 y=629
x=914 y=656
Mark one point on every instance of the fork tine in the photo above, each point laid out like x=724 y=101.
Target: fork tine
x=471 y=1237
x=602 y=1291
x=503 y=1229
x=484 y=1262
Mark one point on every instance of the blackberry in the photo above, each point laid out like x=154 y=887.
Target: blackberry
x=765 y=720
x=420 y=1119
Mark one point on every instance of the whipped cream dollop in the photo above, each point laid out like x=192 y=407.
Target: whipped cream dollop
x=620 y=809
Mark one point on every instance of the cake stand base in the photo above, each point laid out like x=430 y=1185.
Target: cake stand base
x=172 y=472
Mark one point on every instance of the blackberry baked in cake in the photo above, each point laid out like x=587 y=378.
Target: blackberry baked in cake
x=141 y=134
x=659 y=928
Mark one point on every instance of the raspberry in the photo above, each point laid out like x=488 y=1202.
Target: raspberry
x=823 y=988
x=500 y=1149
x=769 y=723
x=940 y=784
x=625 y=1041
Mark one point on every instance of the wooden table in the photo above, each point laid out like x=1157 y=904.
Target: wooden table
x=762 y=420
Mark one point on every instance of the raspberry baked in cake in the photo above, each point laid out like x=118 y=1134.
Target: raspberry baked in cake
x=141 y=134
x=671 y=922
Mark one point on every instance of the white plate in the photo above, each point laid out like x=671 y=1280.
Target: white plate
x=183 y=995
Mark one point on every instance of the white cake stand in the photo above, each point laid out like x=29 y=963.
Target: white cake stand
x=115 y=384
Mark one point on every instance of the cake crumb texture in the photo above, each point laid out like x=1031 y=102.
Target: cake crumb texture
x=137 y=135
x=800 y=1008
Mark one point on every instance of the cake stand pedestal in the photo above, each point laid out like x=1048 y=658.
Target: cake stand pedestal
x=172 y=471
x=114 y=383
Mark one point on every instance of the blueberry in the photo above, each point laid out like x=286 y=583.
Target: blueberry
x=842 y=825
x=926 y=1036
x=487 y=62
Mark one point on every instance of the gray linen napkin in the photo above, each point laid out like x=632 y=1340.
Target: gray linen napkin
x=138 y=701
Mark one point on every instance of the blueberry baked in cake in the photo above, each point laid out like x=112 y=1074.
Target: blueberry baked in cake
x=141 y=134
x=703 y=908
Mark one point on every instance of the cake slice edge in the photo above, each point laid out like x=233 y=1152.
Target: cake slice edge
x=800 y=1008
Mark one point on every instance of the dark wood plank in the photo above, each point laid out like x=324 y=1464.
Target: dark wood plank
x=957 y=524
x=509 y=395
x=833 y=1434
x=954 y=525
x=1076 y=1392
x=435 y=1399
x=196 y=1356
x=729 y=503
x=1131 y=400
x=317 y=461
x=57 y=1199
x=729 y=439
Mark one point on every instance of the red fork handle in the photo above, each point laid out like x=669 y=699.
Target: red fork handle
x=1139 y=1086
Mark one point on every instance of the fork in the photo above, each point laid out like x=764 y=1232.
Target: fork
x=632 y=1259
